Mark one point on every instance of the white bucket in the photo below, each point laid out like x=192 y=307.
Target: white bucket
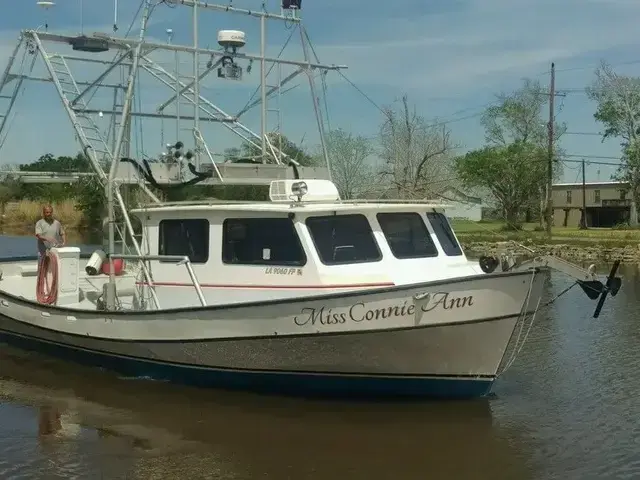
x=95 y=262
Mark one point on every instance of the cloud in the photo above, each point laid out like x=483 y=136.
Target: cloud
x=480 y=41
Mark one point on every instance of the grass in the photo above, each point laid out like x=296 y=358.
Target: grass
x=494 y=231
x=21 y=217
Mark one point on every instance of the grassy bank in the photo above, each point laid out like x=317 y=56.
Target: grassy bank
x=19 y=218
x=472 y=232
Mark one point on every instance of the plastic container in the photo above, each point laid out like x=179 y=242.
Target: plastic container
x=118 y=266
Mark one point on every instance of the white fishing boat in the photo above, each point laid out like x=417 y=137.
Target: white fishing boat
x=304 y=293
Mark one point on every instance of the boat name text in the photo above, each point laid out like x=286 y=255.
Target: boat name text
x=360 y=312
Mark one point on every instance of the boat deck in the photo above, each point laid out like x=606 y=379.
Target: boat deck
x=19 y=278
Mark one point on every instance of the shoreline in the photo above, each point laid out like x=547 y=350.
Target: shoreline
x=627 y=254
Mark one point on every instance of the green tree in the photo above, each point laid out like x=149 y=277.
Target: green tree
x=511 y=173
x=250 y=152
x=617 y=100
x=53 y=192
x=519 y=118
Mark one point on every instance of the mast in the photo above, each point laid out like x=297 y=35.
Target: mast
x=111 y=183
x=196 y=87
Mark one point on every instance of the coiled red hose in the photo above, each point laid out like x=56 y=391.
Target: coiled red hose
x=48 y=263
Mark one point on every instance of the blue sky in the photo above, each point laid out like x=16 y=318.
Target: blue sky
x=450 y=56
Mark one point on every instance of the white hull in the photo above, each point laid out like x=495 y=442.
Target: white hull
x=424 y=339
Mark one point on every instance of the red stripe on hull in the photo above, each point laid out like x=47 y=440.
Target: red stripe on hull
x=275 y=287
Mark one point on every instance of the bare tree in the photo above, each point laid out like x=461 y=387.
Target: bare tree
x=417 y=155
x=351 y=168
x=618 y=109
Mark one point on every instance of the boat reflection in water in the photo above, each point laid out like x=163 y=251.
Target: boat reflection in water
x=95 y=425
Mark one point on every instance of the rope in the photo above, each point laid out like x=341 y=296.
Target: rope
x=522 y=319
x=48 y=263
x=520 y=343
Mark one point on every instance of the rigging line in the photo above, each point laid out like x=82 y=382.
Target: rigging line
x=273 y=64
x=362 y=93
x=324 y=98
x=437 y=124
x=133 y=21
x=19 y=94
x=323 y=77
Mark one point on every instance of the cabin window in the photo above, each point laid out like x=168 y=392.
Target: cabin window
x=407 y=235
x=261 y=241
x=342 y=239
x=188 y=237
x=444 y=234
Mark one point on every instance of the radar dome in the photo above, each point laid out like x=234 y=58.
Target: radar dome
x=231 y=38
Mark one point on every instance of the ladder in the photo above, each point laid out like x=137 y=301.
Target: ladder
x=88 y=132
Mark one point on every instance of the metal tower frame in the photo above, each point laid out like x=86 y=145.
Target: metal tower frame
x=133 y=55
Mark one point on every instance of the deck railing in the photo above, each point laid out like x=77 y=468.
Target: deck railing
x=177 y=259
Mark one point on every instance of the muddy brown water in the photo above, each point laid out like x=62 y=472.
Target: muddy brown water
x=569 y=407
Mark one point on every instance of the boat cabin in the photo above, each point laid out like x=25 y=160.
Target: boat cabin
x=305 y=241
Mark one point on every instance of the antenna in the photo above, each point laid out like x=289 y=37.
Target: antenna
x=115 y=16
x=46 y=6
x=81 y=17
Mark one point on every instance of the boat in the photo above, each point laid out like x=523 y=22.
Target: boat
x=304 y=294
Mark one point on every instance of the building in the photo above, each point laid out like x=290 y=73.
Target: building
x=462 y=206
x=607 y=204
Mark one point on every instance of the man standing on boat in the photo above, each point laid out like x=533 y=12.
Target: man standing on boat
x=49 y=232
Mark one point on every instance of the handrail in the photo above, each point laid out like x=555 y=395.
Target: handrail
x=204 y=203
x=178 y=259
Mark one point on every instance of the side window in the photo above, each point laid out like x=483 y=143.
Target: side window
x=188 y=237
x=343 y=239
x=444 y=234
x=261 y=241
x=407 y=235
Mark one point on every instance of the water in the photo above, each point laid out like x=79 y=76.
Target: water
x=568 y=409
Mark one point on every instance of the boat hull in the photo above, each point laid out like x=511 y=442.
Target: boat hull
x=456 y=357
x=301 y=382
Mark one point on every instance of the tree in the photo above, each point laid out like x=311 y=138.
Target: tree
x=351 y=171
x=511 y=173
x=618 y=109
x=519 y=118
x=250 y=152
x=417 y=155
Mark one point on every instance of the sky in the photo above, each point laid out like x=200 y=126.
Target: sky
x=451 y=57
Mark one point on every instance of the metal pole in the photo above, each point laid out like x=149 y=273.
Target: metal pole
x=128 y=43
x=196 y=83
x=316 y=105
x=110 y=186
x=583 y=224
x=279 y=113
x=177 y=61
x=181 y=91
x=243 y=11
x=263 y=91
x=549 y=209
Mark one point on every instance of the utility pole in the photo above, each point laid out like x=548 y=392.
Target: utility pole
x=552 y=95
x=583 y=222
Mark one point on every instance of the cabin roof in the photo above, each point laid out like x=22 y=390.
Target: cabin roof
x=342 y=206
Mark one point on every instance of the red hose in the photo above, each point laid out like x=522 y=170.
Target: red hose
x=47 y=263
